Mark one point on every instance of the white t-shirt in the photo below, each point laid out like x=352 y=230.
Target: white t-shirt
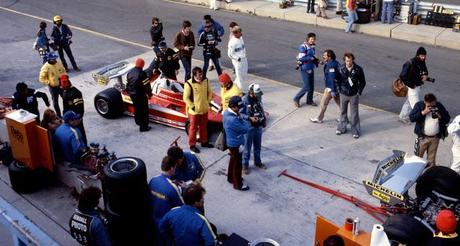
x=431 y=127
x=236 y=48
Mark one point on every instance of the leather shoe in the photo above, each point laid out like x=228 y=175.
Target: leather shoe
x=207 y=145
x=194 y=149
x=244 y=188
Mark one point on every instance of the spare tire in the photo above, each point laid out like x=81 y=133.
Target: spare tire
x=108 y=103
x=440 y=179
x=22 y=179
x=405 y=229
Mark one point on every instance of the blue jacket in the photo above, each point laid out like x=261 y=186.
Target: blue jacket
x=164 y=196
x=253 y=107
x=61 y=36
x=215 y=25
x=419 y=119
x=70 y=142
x=306 y=57
x=42 y=39
x=235 y=127
x=98 y=234
x=192 y=169
x=185 y=226
x=331 y=70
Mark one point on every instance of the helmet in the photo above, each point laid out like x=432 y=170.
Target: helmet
x=254 y=87
x=57 y=18
x=224 y=79
x=446 y=221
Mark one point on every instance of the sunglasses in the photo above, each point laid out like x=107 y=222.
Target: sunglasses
x=207 y=26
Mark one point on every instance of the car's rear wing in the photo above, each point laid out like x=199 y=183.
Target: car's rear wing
x=116 y=70
x=394 y=176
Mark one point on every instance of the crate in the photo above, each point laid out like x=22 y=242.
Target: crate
x=439 y=19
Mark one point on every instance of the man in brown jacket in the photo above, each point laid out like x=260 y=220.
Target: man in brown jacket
x=185 y=43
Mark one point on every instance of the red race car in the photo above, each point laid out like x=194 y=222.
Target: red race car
x=165 y=106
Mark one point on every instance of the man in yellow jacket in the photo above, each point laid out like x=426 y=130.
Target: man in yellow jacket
x=49 y=75
x=197 y=96
x=227 y=90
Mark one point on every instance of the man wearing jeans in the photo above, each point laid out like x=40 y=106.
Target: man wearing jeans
x=387 y=11
x=185 y=43
x=431 y=119
x=413 y=73
x=49 y=75
x=209 y=40
x=253 y=112
x=350 y=83
x=352 y=15
x=307 y=61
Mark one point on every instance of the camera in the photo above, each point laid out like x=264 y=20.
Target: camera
x=430 y=80
x=434 y=112
x=297 y=67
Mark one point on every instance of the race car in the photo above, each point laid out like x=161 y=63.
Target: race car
x=165 y=106
x=413 y=220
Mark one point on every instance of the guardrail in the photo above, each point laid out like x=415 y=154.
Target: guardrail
x=22 y=230
x=422 y=7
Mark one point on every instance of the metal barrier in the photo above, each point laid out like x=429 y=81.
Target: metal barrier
x=23 y=231
x=422 y=7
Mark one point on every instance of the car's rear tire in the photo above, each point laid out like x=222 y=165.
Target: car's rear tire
x=405 y=229
x=440 y=179
x=108 y=103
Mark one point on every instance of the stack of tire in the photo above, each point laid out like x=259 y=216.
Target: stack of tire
x=407 y=230
x=126 y=200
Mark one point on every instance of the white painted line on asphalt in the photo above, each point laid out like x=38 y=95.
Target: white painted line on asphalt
x=146 y=46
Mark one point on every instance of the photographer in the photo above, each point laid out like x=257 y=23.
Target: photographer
x=431 y=119
x=307 y=61
x=253 y=112
x=413 y=73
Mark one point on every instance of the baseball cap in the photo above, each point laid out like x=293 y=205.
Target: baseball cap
x=52 y=56
x=446 y=221
x=162 y=44
x=70 y=115
x=235 y=101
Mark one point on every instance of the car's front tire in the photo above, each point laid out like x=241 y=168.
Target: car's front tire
x=108 y=103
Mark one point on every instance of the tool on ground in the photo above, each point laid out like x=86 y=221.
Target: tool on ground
x=374 y=211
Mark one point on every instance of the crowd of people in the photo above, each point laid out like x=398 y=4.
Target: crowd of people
x=177 y=195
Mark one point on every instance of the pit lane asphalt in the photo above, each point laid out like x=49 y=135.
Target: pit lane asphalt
x=271 y=45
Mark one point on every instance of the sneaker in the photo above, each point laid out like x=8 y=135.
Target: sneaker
x=296 y=104
x=316 y=120
x=244 y=188
x=194 y=149
x=207 y=145
x=245 y=170
x=355 y=136
x=211 y=68
x=76 y=69
x=337 y=132
x=261 y=166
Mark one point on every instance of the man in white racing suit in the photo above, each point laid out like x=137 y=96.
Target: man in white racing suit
x=237 y=53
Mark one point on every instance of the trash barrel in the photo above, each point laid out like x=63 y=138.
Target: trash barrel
x=364 y=15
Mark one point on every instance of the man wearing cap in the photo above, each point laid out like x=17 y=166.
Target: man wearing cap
x=138 y=88
x=26 y=98
x=253 y=112
x=414 y=72
x=167 y=61
x=69 y=138
x=227 y=90
x=197 y=96
x=49 y=76
x=185 y=43
x=446 y=230
x=62 y=36
x=235 y=128
x=73 y=100
x=237 y=53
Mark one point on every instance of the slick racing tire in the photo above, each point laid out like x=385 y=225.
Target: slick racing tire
x=405 y=229
x=22 y=179
x=108 y=103
x=124 y=185
x=440 y=179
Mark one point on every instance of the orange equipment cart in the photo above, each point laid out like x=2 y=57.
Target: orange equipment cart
x=325 y=228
